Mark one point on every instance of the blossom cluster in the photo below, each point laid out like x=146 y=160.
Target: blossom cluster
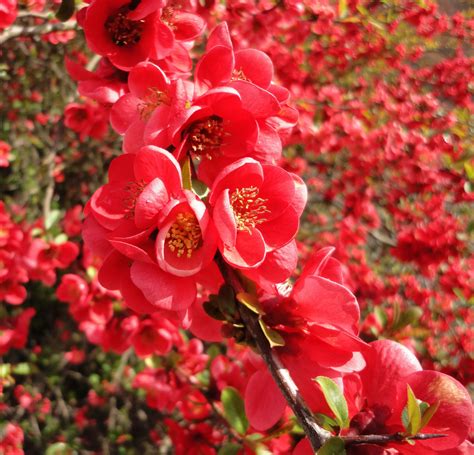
x=201 y=175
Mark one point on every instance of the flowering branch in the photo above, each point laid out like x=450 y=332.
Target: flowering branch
x=316 y=435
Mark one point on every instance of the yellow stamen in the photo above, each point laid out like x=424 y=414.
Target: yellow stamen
x=185 y=235
x=123 y=31
x=151 y=101
x=206 y=136
x=248 y=208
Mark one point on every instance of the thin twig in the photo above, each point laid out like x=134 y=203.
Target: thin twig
x=384 y=438
x=16 y=31
x=317 y=436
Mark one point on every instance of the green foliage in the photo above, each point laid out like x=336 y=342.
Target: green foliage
x=334 y=446
x=234 y=409
x=335 y=400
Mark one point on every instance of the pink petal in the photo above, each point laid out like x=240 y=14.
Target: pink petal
x=214 y=68
x=162 y=289
x=264 y=402
x=152 y=162
x=256 y=66
x=149 y=203
x=387 y=365
x=124 y=112
x=248 y=252
x=256 y=100
x=219 y=36
x=144 y=76
x=323 y=301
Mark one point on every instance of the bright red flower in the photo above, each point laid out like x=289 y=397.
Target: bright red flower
x=318 y=320
x=390 y=368
x=5 y=155
x=256 y=210
x=87 y=119
x=129 y=32
x=8 y=12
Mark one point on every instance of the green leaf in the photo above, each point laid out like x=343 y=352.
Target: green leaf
x=273 y=337
x=250 y=301
x=66 y=10
x=328 y=423
x=186 y=174
x=22 y=369
x=428 y=414
x=234 y=409
x=410 y=316
x=335 y=400
x=411 y=415
x=59 y=448
x=229 y=449
x=342 y=8
x=334 y=446
x=52 y=219
x=200 y=188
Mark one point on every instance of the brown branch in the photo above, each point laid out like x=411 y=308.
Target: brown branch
x=16 y=31
x=384 y=438
x=317 y=436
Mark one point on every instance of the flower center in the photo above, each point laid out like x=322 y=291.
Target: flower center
x=206 y=136
x=134 y=190
x=239 y=75
x=248 y=208
x=151 y=101
x=167 y=17
x=124 y=31
x=185 y=235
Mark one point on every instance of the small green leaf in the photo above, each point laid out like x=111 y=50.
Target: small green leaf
x=428 y=414
x=325 y=421
x=234 y=409
x=408 y=317
x=66 y=10
x=52 y=219
x=334 y=446
x=59 y=448
x=200 y=188
x=22 y=369
x=412 y=419
x=186 y=174
x=229 y=449
x=250 y=301
x=273 y=337
x=342 y=8
x=380 y=315
x=335 y=400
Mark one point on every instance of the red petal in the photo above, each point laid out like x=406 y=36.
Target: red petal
x=264 y=402
x=162 y=289
x=214 y=68
x=152 y=162
x=149 y=203
x=256 y=66
x=454 y=415
x=249 y=250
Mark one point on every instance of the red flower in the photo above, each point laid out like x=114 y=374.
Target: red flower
x=86 y=119
x=5 y=155
x=8 y=12
x=151 y=97
x=390 y=368
x=128 y=33
x=256 y=209
x=318 y=321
